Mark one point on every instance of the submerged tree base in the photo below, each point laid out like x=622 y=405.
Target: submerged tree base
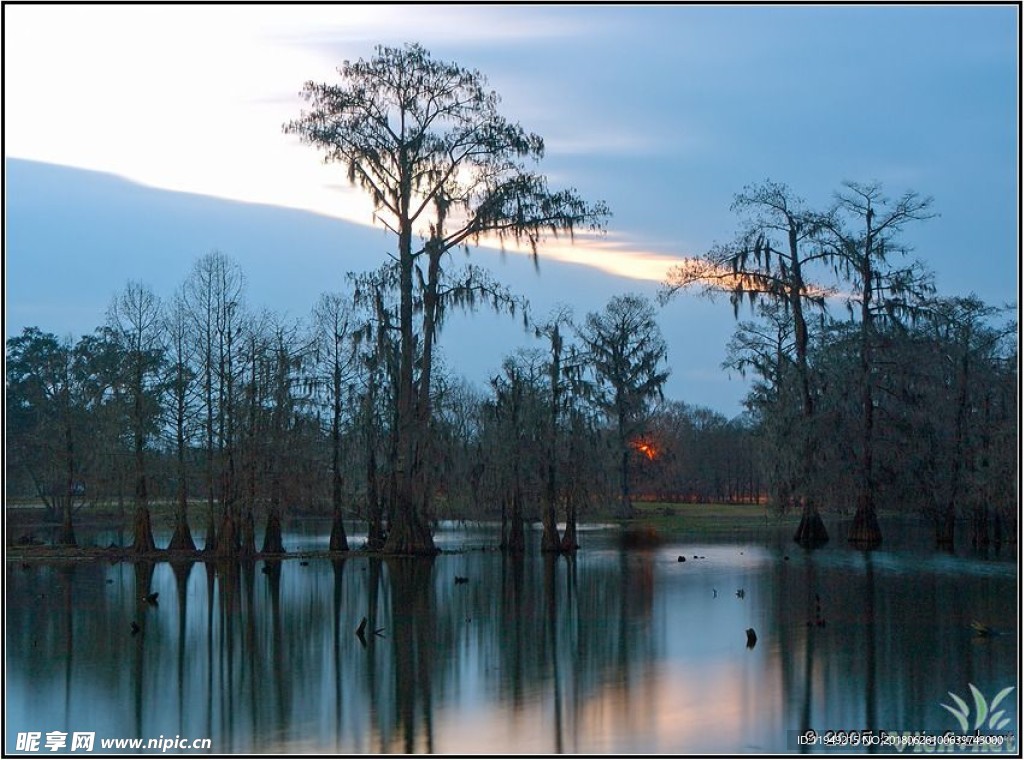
x=272 y=541
x=811 y=532
x=865 y=532
x=339 y=539
x=410 y=537
x=945 y=532
x=143 y=528
x=182 y=540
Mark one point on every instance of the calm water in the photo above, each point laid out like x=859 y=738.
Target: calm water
x=611 y=653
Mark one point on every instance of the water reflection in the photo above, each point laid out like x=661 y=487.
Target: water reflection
x=606 y=652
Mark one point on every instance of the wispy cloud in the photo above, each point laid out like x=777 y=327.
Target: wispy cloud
x=608 y=252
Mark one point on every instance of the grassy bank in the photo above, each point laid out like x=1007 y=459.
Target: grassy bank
x=708 y=519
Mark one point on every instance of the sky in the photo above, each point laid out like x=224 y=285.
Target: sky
x=663 y=112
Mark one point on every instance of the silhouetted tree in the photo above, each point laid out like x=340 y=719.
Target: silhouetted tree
x=758 y=266
x=558 y=384
x=46 y=419
x=135 y=319
x=182 y=399
x=881 y=292
x=212 y=294
x=424 y=138
x=336 y=364
x=626 y=354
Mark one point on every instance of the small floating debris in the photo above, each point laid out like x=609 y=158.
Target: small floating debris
x=984 y=631
x=361 y=632
x=751 y=638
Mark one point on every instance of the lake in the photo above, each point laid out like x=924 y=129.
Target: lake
x=612 y=652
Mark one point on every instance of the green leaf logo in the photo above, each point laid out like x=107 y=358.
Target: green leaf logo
x=982 y=710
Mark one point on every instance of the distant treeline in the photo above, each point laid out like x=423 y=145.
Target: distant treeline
x=235 y=417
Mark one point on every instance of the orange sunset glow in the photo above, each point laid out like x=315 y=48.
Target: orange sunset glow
x=646 y=447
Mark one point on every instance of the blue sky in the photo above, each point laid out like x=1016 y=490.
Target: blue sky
x=662 y=111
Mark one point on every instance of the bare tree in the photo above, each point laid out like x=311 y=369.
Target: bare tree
x=212 y=294
x=135 y=319
x=182 y=390
x=336 y=361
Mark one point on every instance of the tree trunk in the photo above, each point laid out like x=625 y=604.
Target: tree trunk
x=247 y=538
x=516 y=537
x=339 y=539
x=181 y=540
x=503 y=544
x=211 y=532
x=143 y=528
x=979 y=527
x=944 y=528
x=997 y=530
x=375 y=535
x=409 y=534
x=865 y=532
x=625 y=510
x=569 y=542
x=550 y=540
x=811 y=532
x=227 y=537
x=375 y=530
x=944 y=531
x=272 y=543
x=66 y=537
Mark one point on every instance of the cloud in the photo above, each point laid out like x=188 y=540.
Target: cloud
x=354 y=30
x=609 y=253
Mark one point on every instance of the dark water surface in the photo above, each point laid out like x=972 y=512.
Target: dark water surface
x=613 y=652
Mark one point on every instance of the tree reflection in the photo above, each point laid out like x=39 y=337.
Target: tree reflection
x=546 y=653
x=182 y=571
